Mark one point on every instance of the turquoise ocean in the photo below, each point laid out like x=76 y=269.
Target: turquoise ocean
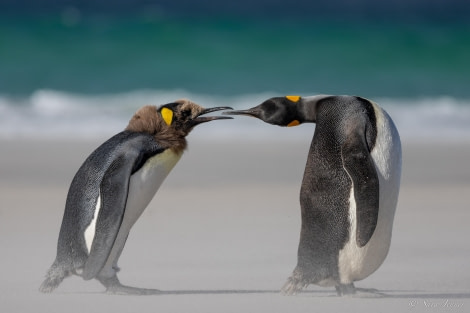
x=77 y=75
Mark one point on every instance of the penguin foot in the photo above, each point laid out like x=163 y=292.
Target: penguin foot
x=114 y=287
x=350 y=291
x=127 y=290
x=345 y=289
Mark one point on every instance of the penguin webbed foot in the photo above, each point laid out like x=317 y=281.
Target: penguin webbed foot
x=114 y=287
x=128 y=290
x=345 y=289
x=349 y=290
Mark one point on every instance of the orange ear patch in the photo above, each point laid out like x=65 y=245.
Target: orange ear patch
x=293 y=98
x=293 y=123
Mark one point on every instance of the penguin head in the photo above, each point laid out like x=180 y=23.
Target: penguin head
x=172 y=119
x=281 y=111
x=184 y=115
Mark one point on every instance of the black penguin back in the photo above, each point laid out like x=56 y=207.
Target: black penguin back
x=326 y=186
x=85 y=187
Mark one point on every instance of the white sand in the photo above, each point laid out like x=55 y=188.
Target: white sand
x=221 y=235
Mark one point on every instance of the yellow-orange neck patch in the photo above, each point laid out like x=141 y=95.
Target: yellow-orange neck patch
x=167 y=115
x=293 y=98
x=293 y=123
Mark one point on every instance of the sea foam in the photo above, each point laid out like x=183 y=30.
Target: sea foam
x=49 y=114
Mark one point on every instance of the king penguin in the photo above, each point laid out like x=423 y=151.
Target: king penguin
x=113 y=187
x=349 y=190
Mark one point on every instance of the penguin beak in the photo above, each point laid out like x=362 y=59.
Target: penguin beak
x=199 y=120
x=250 y=112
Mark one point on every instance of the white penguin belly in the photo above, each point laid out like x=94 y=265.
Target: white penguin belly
x=143 y=185
x=356 y=263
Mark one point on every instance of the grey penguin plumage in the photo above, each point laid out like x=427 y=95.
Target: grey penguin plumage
x=113 y=187
x=350 y=187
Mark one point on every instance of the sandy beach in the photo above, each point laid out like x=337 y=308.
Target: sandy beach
x=221 y=234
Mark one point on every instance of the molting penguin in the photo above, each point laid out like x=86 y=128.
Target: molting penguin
x=113 y=187
x=349 y=190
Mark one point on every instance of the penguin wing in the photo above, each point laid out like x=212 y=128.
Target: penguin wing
x=114 y=189
x=360 y=167
x=113 y=193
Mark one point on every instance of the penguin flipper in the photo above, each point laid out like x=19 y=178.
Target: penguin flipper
x=113 y=192
x=360 y=167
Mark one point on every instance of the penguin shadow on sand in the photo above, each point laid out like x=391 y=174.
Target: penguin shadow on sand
x=414 y=295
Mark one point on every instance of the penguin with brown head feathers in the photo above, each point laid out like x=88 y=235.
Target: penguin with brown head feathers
x=113 y=187
x=349 y=190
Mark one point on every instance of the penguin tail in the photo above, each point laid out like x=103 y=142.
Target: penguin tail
x=54 y=276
